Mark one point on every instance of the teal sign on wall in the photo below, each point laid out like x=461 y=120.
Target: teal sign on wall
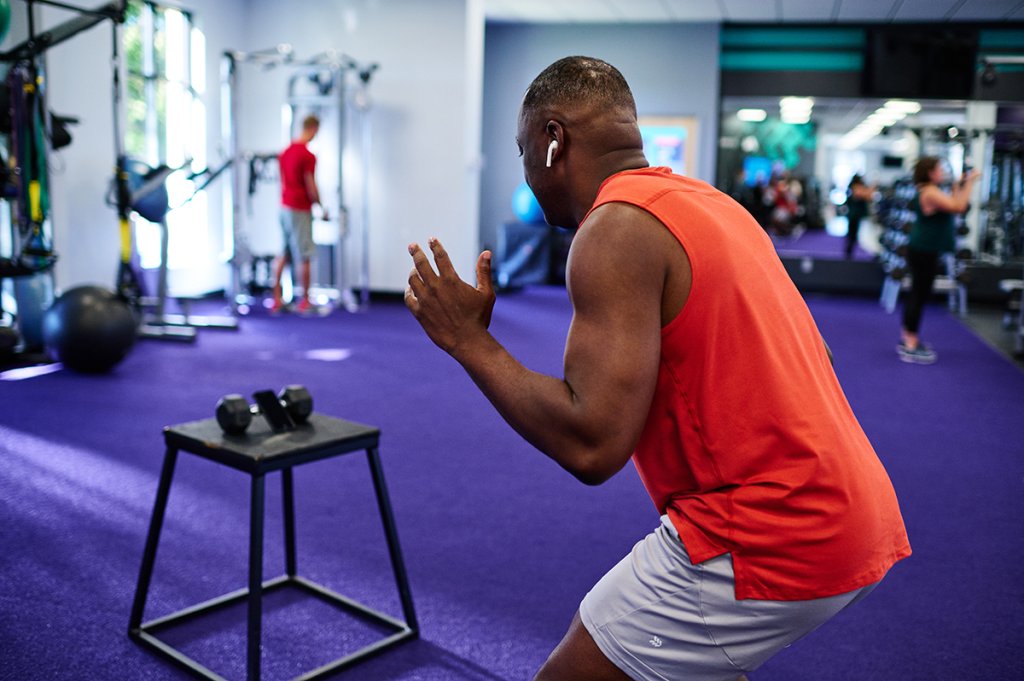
x=792 y=49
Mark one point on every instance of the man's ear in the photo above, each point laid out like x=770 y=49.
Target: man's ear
x=556 y=141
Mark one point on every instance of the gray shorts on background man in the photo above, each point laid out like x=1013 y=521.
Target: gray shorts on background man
x=657 y=616
x=297 y=228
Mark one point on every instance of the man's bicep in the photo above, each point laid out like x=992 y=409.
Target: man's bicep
x=611 y=362
x=616 y=279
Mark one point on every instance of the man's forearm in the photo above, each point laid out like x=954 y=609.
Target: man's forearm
x=542 y=409
x=312 y=191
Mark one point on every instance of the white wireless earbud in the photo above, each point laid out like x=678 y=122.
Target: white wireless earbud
x=551 y=151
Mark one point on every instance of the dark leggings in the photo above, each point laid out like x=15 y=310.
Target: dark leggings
x=851 y=235
x=923 y=266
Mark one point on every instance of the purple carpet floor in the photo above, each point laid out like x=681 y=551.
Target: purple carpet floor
x=818 y=243
x=500 y=543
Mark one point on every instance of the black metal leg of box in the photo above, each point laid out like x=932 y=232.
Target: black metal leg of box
x=391 y=532
x=288 y=496
x=152 y=539
x=255 y=578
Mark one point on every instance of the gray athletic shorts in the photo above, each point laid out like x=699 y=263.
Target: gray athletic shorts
x=297 y=229
x=655 y=615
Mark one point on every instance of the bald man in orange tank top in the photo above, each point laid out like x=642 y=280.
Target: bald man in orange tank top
x=691 y=352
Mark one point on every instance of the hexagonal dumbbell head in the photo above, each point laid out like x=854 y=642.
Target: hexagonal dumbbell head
x=233 y=414
x=297 y=402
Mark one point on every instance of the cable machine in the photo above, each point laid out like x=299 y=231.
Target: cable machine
x=329 y=82
x=33 y=132
x=140 y=189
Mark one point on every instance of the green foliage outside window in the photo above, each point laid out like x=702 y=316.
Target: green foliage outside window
x=145 y=49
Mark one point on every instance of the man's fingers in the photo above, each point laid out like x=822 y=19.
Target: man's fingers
x=411 y=301
x=484 y=283
x=416 y=285
x=421 y=263
x=441 y=259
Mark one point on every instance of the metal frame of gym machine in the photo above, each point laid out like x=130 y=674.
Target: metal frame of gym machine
x=1012 y=287
x=338 y=66
x=30 y=51
x=158 y=324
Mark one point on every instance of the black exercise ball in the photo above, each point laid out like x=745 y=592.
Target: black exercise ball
x=89 y=329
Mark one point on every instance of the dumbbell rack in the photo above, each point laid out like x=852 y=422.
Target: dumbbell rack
x=897 y=219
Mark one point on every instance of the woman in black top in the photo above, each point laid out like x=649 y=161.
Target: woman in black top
x=931 y=234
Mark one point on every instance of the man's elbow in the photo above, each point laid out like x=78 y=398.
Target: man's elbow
x=591 y=478
x=593 y=468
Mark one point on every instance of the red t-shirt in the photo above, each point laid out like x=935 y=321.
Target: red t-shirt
x=295 y=163
x=750 y=446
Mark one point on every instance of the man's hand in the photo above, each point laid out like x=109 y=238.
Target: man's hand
x=449 y=310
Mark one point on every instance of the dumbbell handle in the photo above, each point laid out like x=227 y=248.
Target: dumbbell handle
x=255 y=410
x=284 y=411
x=273 y=410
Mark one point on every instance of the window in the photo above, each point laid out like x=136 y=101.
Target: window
x=165 y=121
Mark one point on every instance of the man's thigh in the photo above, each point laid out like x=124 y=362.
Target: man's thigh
x=657 y=616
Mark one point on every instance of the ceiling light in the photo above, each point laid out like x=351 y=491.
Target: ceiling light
x=796 y=103
x=752 y=115
x=903 y=105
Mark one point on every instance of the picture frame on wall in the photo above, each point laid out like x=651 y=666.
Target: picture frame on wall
x=670 y=141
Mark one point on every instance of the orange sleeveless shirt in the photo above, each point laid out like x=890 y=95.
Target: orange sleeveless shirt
x=750 y=446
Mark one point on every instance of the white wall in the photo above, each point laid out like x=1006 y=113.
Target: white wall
x=79 y=84
x=79 y=77
x=424 y=165
x=426 y=122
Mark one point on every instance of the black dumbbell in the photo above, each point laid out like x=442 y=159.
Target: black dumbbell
x=234 y=413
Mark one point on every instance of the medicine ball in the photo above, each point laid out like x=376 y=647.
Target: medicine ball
x=152 y=205
x=89 y=329
x=525 y=206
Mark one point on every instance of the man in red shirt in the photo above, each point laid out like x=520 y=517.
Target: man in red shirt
x=298 y=194
x=691 y=352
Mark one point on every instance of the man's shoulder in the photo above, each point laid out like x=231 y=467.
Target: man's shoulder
x=296 y=148
x=648 y=186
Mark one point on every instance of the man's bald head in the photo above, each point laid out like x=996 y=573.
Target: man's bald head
x=583 y=82
x=577 y=126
